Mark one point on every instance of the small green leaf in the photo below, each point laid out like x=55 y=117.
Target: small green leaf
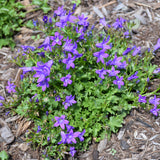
x=3 y=155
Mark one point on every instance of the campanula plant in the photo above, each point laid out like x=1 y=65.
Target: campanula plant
x=78 y=85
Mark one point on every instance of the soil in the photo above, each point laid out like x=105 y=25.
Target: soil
x=139 y=138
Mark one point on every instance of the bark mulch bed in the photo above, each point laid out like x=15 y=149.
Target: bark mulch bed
x=139 y=138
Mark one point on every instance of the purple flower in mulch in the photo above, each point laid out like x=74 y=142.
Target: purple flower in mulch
x=60 y=11
x=69 y=101
x=119 y=82
x=69 y=127
x=112 y=72
x=136 y=51
x=126 y=51
x=142 y=99
x=69 y=61
x=26 y=69
x=57 y=98
x=100 y=55
x=39 y=129
x=42 y=70
x=81 y=138
x=46 y=44
x=11 y=87
x=66 y=80
x=118 y=23
x=154 y=101
x=156 y=71
x=103 y=44
x=83 y=21
x=134 y=76
x=61 y=121
x=157 y=46
x=155 y=111
x=56 y=39
x=103 y=22
x=45 y=19
x=72 y=151
x=44 y=84
x=70 y=137
x=101 y=73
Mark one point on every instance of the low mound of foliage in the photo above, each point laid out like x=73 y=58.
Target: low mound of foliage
x=79 y=84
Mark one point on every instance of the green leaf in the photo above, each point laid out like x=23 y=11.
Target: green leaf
x=30 y=24
x=45 y=8
x=115 y=122
x=3 y=155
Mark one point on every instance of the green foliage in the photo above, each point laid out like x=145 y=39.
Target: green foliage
x=10 y=21
x=100 y=105
x=3 y=155
x=77 y=2
x=42 y=4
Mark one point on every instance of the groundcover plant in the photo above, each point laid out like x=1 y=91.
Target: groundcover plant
x=79 y=84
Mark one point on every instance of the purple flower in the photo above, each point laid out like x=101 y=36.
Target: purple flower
x=45 y=19
x=157 y=46
x=57 y=98
x=126 y=51
x=39 y=129
x=103 y=44
x=26 y=69
x=154 y=101
x=116 y=60
x=63 y=135
x=148 y=79
x=69 y=101
x=11 y=87
x=118 y=23
x=156 y=71
x=122 y=65
x=136 y=51
x=69 y=127
x=68 y=46
x=56 y=39
x=126 y=34
x=74 y=6
x=68 y=18
x=81 y=138
x=2 y=98
x=7 y=113
x=134 y=76
x=83 y=21
x=35 y=22
x=71 y=137
x=42 y=54
x=113 y=72
x=26 y=48
x=69 y=61
x=44 y=84
x=47 y=113
x=42 y=70
x=66 y=80
x=100 y=55
x=46 y=44
x=48 y=139
x=60 y=11
x=118 y=82
x=155 y=111
x=101 y=73
x=72 y=151
x=142 y=99
x=61 y=121
x=103 y=22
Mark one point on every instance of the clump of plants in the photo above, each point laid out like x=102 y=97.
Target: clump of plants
x=11 y=15
x=79 y=84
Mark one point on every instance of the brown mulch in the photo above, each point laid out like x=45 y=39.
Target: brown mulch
x=139 y=138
